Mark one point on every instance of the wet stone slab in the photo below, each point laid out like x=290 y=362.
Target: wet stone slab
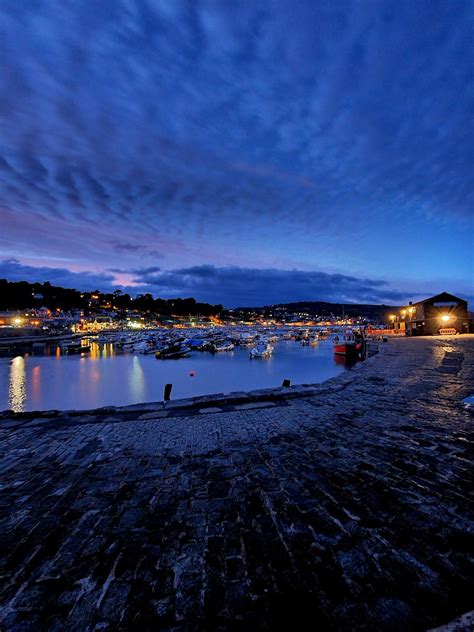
x=348 y=505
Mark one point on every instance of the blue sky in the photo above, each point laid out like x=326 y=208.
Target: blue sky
x=240 y=152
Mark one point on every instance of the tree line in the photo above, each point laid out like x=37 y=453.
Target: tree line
x=23 y=295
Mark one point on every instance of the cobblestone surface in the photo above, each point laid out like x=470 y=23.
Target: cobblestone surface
x=348 y=508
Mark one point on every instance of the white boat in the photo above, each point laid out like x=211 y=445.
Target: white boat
x=246 y=337
x=247 y=342
x=261 y=351
x=226 y=346
x=141 y=347
x=272 y=338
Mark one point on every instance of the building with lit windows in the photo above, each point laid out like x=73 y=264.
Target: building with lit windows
x=94 y=324
x=440 y=314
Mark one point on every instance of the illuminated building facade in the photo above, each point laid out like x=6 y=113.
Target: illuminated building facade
x=440 y=314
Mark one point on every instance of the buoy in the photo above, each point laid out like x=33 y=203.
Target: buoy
x=192 y=373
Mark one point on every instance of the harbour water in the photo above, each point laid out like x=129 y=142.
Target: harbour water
x=104 y=377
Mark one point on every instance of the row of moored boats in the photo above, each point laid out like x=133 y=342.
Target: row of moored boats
x=173 y=344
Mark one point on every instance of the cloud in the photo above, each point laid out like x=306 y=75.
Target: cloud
x=140 y=249
x=126 y=247
x=13 y=270
x=241 y=135
x=234 y=286
x=231 y=286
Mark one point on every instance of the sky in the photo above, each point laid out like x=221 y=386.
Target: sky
x=243 y=153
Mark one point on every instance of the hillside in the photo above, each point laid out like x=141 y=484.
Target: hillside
x=323 y=308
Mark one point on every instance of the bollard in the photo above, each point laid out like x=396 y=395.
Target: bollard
x=286 y=383
x=167 y=392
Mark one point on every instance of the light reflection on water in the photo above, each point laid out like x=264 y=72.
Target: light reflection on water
x=104 y=378
x=17 y=384
x=136 y=380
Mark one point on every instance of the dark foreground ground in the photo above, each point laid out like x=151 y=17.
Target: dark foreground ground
x=350 y=508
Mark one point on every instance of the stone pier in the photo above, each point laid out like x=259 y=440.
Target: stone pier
x=345 y=506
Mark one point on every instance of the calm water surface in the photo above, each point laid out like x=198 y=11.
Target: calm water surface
x=104 y=378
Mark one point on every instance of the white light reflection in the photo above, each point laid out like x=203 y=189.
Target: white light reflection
x=17 y=387
x=137 y=381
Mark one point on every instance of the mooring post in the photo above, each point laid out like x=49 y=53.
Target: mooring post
x=167 y=393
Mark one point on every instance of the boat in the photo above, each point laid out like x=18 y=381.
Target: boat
x=75 y=347
x=172 y=355
x=224 y=346
x=347 y=344
x=302 y=334
x=261 y=351
x=172 y=352
x=247 y=342
x=246 y=338
x=198 y=344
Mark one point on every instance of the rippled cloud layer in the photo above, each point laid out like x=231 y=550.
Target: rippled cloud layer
x=335 y=137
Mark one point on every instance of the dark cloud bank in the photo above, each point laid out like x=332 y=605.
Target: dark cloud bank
x=246 y=286
x=231 y=286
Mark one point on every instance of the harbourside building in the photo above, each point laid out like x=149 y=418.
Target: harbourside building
x=440 y=314
x=94 y=324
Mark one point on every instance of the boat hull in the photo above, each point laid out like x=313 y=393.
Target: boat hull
x=346 y=349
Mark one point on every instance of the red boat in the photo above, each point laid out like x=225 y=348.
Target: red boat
x=347 y=344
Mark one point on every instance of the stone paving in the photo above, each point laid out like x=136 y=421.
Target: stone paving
x=344 y=507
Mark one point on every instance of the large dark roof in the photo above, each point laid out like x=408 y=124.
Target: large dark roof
x=444 y=296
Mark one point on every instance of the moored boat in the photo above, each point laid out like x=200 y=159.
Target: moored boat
x=222 y=346
x=346 y=344
x=172 y=352
x=75 y=347
x=261 y=351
